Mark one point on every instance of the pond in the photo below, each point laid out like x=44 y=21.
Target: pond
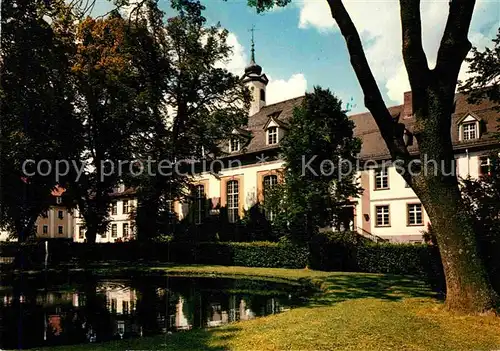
x=62 y=310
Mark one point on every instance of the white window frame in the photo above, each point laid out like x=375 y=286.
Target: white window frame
x=81 y=232
x=199 y=203
x=125 y=230
x=114 y=208
x=272 y=135
x=382 y=175
x=232 y=200
x=60 y=229
x=485 y=161
x=45 y=229
x=383 y=211
x=125 y=207
x=114 y=230
x=234 y=145
x=412 y=213
x=269 y=181
x=60 y=214
x=470 y=131
x=58 y=200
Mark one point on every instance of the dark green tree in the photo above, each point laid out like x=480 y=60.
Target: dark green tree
x=484 y=67
x=194 y=102
x=36 y=112
x=320 y=152
x=433 y=93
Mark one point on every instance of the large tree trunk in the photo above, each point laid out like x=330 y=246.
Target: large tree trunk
x=468 y=286
x=436 y=184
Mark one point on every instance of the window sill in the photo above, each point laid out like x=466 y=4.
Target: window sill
x=377 y=189
x=415 y=225
x=382 y=226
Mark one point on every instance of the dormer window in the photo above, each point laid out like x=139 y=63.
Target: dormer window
x=234 y=145
x=470 y=131
x=469 y=127
x=272 y=135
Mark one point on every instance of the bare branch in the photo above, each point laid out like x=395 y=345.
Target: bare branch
x=413 y=51
x=454 y=45
x=391 y=131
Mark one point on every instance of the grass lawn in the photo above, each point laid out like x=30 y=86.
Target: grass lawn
x=350 y=311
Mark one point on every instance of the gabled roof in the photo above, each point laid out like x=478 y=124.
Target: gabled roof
x=273 y=118
x=471 y=114
x=365 y=127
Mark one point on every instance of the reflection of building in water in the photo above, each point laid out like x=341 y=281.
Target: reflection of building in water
x=216 y=315
x=119 y=299
x=181 y=320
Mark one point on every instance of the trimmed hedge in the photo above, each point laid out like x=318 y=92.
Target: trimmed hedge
x=419 y=260
x=249 y=254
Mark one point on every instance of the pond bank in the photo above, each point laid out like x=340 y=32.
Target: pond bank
x=350 y=311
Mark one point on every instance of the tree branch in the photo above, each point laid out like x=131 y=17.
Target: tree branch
x=454 y=45
x=413 y=51
x=391 y=131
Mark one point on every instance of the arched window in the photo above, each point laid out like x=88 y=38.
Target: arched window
x=232 y=200
x=199 y=204
x=269 y=182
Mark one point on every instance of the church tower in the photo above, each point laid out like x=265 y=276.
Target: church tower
x=256 y=81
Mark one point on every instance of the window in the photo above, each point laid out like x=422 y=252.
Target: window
x=469 y=131
x=114 y=230
x=234 y=145
x=232 y=200
x=382 y=216
x=81 y=232
x=272 y=135
x=125 y=307
x=60 y=229
x=262 y=95
x=125 y=230
x=58 y=200
x=45 y=229
x=60 y=214
x=199 y=209
x=269 y=182
x=485 y=166
x=415 y=214
x=114 y=208
x=381 y=179
x=113 y=305
x=125 y=207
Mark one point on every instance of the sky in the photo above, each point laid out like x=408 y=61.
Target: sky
x=300 y=46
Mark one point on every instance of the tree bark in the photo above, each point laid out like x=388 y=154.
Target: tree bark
x=468 y=286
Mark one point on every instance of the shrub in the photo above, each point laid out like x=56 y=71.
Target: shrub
x=419 y=260
x=335 y=251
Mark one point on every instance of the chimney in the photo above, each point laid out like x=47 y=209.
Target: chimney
x=407 y=105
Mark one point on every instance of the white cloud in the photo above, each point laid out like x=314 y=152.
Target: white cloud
x=281 y=89
x=238 y=60
x=379 y=25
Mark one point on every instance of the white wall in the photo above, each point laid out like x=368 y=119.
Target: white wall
x=117 y=219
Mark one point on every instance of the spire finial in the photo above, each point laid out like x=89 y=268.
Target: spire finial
x=252 y=59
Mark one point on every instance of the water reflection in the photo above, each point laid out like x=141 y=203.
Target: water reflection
x=92 y=310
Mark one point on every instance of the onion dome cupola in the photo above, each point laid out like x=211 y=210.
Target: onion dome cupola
x=256 y=81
